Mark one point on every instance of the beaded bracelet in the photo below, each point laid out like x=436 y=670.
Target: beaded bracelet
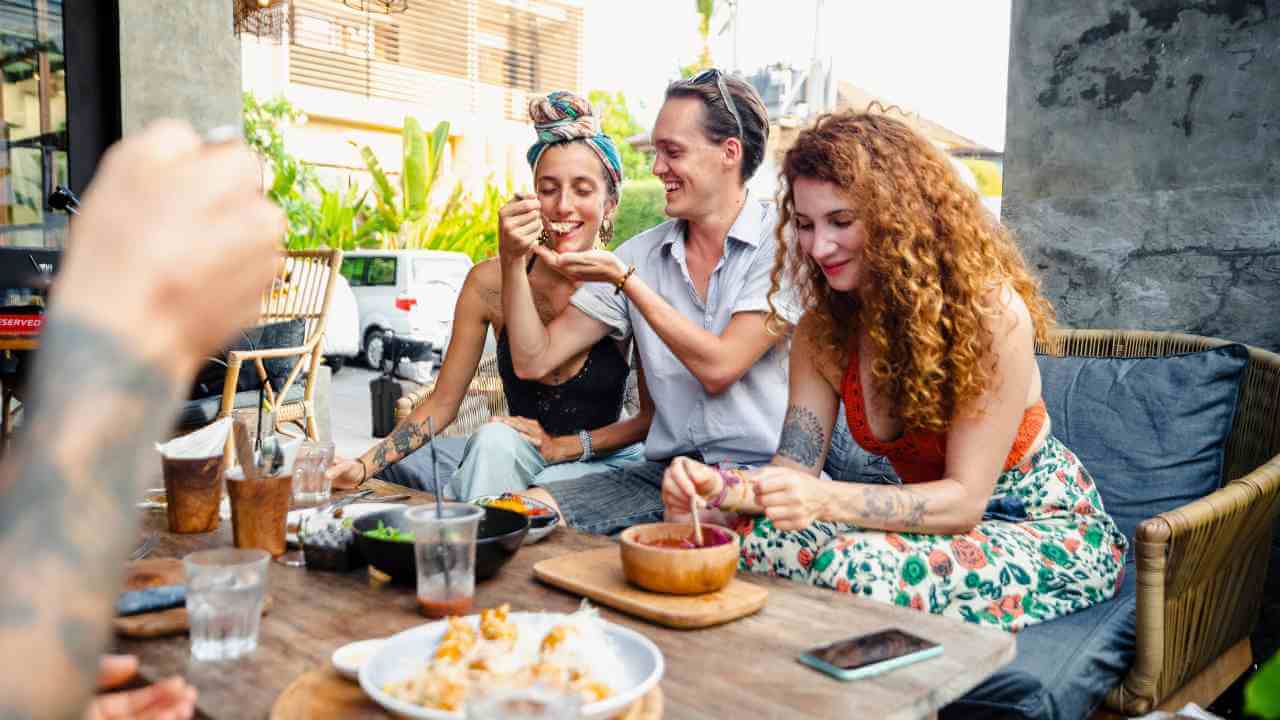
x=728 y=479
x=625 y=277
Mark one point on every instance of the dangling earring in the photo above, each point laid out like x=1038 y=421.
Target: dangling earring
x=545 y=238
x=605 y=238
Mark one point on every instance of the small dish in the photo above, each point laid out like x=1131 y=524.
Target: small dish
x=677 y=571
x=542 y=520
x=352 y=511
x=348 y=658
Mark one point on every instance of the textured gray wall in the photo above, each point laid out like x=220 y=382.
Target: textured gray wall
x=178 y=58
x=1142 y=159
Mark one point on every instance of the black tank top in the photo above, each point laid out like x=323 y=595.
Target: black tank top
x=590 y=399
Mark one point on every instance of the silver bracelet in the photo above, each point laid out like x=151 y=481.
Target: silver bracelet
x=585 y=437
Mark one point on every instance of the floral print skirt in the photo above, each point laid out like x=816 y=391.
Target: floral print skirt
x=1050 y=550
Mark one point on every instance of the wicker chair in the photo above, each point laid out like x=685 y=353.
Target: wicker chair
x=302 y=289
x=1201 y=567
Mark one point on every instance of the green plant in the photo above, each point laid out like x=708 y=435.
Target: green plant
x=406 y=214
x=1262 y=693
x=618 y=123
x=342 y=220
x=264 y=123
x=470 y=225
x=641 y=208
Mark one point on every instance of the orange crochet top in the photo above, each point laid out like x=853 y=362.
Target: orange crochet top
x=920 y=456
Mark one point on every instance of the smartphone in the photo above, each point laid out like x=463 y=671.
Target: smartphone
x=866 y=655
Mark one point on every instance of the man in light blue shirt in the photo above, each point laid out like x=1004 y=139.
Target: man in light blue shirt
x=692 y=291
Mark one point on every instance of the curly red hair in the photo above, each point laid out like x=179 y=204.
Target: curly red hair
x=932 y=260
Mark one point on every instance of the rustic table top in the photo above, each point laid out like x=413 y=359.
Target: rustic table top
x=746 y=666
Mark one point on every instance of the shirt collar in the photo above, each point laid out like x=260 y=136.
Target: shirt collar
x=747 y=228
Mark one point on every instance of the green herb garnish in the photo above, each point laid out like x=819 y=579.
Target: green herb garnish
x=382 y=532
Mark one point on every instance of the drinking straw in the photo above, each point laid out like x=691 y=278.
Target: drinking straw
x=435 y=471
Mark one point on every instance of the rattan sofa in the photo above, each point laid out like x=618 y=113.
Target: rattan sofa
x=1200 y=568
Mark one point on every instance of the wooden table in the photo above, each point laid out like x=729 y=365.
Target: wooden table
x=746 y=668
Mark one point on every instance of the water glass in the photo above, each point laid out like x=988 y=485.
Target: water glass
x=445 y=554
x=535 y=703
x=225 y=591
x=310 y=484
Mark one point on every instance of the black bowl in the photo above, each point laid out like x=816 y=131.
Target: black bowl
x=499 y=537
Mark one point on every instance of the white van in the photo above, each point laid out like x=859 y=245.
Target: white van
x=410 y=292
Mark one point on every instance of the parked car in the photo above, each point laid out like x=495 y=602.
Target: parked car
x=409 y=292
x=342 y=328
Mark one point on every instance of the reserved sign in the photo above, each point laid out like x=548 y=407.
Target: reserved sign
x=20 y=324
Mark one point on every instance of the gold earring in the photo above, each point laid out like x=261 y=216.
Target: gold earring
x=606 y=232
x=545 y=238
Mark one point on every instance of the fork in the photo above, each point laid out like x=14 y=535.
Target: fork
x=148 y=544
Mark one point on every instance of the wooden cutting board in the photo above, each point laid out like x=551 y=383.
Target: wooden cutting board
x=156 y=572
x=597 y=574
x=324 y=694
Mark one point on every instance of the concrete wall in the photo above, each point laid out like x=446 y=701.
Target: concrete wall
x=1142 y=160
x=178 y=58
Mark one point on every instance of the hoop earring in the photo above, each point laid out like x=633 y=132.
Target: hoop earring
x=605 y=239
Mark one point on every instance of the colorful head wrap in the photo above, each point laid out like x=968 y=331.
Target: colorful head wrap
x=563 y=116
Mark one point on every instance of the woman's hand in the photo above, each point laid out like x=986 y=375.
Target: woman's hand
x=346 y=474
x=519 y=228
x=792 y=500
x=171 y=699
x=587 y=266
x=685 y=479
x=552 y=450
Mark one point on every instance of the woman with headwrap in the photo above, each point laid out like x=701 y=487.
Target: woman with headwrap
x=566 y=423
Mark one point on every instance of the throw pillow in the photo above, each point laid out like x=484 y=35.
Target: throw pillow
x=1152 y=431
x=211 y=377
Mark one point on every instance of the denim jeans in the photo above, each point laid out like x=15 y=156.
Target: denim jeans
x=493 y=460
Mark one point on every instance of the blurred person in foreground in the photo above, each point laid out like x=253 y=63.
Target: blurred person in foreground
x=173 y=247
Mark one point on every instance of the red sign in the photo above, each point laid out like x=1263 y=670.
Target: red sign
x=11 y=324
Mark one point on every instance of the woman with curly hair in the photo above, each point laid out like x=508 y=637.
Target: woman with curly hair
x=920 y=314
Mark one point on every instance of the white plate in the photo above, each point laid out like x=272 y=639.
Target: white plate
x=406 y=653
x=535 y=533
x=348 y=658
x=352 y=511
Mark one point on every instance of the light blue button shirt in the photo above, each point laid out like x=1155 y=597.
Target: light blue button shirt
x=742 y=424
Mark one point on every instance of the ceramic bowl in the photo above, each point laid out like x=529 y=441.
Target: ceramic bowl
x=541 y=524
x=678 y=571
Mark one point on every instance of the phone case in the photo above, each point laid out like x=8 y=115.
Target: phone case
x=869 y=670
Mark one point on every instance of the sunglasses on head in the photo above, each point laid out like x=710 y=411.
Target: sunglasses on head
x=715 y=74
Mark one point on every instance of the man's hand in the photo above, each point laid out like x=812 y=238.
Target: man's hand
x=174 y=244
x=345 y=474
x=792 y=500
x=685 y=479
x=519 y=228
x=171 y=699
x=586 y=266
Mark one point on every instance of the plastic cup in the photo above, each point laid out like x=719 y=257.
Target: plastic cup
x=225 y=592
x=193 y=492
x=311 y=486
x=445 y=554
x=259 y=510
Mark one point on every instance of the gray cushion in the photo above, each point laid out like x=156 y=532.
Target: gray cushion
x=212 y=376
x=202 y=411
x=1064 y=668
x=1152 y=431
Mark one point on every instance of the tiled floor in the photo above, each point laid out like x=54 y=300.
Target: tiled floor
x=351 y=414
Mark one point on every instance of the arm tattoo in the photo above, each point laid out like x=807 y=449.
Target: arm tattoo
x=892 y=508
x=402 y=441
x=67 y=523
x=802 y=436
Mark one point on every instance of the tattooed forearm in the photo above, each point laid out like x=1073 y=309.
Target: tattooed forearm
x=892 y=508
x=67 y=521
x=802 y=436
x=407 y=437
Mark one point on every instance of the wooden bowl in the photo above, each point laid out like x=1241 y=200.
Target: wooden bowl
x=677 y=571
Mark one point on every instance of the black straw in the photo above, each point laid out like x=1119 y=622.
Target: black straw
x=435 y=471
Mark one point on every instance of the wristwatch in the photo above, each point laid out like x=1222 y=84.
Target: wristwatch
x=585 y=437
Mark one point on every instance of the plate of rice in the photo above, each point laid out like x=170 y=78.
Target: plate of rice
x=429 y=671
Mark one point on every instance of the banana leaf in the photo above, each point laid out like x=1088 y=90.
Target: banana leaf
x=414 y=182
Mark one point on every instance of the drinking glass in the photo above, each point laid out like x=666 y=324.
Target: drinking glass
x=310 y=484
x=535 y=703
x=444 y=548
x=225 y=591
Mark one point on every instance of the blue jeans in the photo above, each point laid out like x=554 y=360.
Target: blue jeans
x=493 y=460
x=609 y=502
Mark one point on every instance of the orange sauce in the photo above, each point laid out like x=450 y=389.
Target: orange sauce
x=437 y=609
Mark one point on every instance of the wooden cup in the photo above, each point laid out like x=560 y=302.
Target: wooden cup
x=673 y=571
x=259 y=511
x=193 y=493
